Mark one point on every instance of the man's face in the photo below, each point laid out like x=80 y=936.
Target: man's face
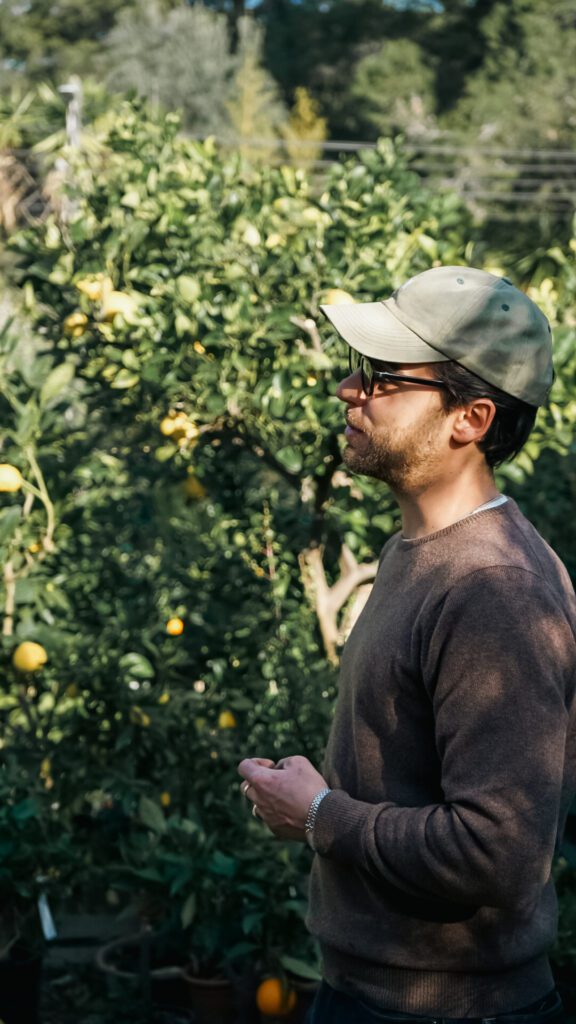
x=401 y=433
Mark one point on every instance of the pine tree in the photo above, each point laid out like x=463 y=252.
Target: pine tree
x=305 y=130
x=256 y=112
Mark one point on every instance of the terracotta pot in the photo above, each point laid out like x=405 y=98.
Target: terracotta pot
x=212 y=1000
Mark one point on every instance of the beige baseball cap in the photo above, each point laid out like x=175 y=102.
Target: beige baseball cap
x=462 y=314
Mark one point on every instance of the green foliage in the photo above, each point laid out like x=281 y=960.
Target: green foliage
x=394 y=89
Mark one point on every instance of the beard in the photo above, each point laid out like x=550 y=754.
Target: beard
x=402 y=458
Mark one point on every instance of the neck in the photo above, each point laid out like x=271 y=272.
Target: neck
x=435 y=506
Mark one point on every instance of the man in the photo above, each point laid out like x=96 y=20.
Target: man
x=451 y=761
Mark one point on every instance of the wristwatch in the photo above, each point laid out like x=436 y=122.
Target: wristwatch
x=311 y=816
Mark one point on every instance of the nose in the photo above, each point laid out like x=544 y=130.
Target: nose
x=350 y=389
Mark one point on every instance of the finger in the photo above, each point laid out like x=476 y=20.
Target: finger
x=253 y=767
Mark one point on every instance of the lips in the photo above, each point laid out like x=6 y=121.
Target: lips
x=351 y=429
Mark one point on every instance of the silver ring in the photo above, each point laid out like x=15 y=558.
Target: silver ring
x=245 y=787
x=255 y=811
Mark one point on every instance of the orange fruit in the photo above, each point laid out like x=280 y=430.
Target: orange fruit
x=175 y=626
x=274 y=999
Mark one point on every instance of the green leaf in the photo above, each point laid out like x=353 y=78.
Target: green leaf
x=125 y=379
x=223 y=865
x=56 y=382
x=135 y=664
x=151 y=815
x=25 y=810
x=9 y=519
x=290 y=458
x=188 y=911
x=188 y=288
x=300 y=967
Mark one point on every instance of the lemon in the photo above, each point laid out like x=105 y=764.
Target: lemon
x=29 y=657
x=337 y=297
x=75 y=324
x=226 y=720
x=165 y=799
x=95 y=287
x=118 y=303
x=193 y=488
x=10 y=478
x=175 y=626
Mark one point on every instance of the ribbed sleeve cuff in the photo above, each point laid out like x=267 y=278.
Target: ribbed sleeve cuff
x=340 y=826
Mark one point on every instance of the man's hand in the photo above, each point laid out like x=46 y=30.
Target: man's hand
x=282 y=793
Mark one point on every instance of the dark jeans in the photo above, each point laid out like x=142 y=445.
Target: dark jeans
x=332 y=1007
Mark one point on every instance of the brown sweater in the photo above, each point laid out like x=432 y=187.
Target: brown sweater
x=452 y=756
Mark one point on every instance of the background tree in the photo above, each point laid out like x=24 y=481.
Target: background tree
x=179 y=59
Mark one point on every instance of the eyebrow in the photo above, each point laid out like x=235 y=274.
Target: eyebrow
x=385 y=367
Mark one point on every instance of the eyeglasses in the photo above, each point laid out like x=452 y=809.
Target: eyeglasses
x=371 y=376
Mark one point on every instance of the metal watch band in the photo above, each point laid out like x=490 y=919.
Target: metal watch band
x=313 y=810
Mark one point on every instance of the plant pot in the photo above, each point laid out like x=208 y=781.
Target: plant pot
x=213 y=1000
x=209 y=1000
x=20 y=980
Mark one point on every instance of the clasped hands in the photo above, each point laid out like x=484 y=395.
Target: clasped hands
x=281 y=792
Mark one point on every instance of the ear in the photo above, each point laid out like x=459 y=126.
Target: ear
x=472 y=421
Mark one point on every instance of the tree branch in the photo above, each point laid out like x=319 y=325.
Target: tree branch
x=329 y=601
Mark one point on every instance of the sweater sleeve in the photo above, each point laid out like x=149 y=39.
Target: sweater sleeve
x=498 y=662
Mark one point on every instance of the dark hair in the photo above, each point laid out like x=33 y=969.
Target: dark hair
x=512 y=423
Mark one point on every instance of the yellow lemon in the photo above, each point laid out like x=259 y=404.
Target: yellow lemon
x=198 y=347
x=175 y=626
x=45 y=767
x=118 y=303
x=75 y=324
x=337 y=297
x=10 y=478
x=139 y=717
x=167 y=426
x=193 y=488
x=165 y=799
x=29 y=657
x=95 y=287
x=226 y=720
x=163 y=698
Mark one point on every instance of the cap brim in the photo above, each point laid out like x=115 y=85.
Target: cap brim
x=370 y=328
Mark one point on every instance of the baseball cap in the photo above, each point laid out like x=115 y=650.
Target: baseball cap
x=462 y=314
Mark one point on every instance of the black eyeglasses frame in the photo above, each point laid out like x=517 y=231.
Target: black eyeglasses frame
x=355 y=362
